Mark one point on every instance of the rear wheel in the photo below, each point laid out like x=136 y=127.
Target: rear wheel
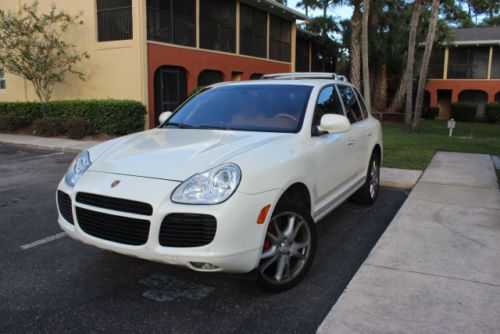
x=367 y=194
x=288 y=249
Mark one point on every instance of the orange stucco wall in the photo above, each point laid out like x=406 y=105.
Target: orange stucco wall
x=490 y=87
x=195 y=61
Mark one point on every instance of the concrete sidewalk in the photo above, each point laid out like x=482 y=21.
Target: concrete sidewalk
x=57 y=144
x=437 y=267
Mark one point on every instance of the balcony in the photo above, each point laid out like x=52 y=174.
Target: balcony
x=467 y=71
x=168 y=27
x=217 y=37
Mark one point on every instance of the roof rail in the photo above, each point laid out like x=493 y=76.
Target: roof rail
x=305 y=75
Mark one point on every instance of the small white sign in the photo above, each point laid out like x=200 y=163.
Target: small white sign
x=451 y=126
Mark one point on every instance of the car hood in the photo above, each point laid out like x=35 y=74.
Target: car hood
x=177 y=154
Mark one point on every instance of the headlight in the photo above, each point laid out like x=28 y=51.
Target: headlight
x=211 y=187
x=77 y=168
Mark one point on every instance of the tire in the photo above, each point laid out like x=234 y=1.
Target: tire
x=368 y=193
x=283 y=264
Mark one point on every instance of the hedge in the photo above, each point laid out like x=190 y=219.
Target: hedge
x=115 y=117
x=492 y=112
x=464 y=112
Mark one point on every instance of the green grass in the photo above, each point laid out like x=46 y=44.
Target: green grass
x=415 y=151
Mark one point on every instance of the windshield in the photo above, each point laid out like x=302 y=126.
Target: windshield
x=271 y=108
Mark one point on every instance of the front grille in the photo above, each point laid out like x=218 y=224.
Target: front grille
x=124 y=230
x=116 y=204
x=187 y=230
x=64 y=203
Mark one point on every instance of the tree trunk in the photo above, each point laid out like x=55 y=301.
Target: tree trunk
x=364 y=53
x=399 y=97
x=355 y=46
x=410 y=63
x=425 y=65
x=380 y=89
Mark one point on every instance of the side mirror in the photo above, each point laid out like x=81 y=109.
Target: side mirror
x=164 y=116
x=333 y=123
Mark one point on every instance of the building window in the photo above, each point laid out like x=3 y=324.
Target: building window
x=436 y=64
x=302 y=64
x=468 y=63
x=253 y=32
x=218 y=25
x=495 y=63
x=2 y=79
x=114 y=20
x=208 y=77
x=280 y=39
x=172 y=21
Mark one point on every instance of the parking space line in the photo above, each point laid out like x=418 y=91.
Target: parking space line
x=40 y=156
x=44 y=240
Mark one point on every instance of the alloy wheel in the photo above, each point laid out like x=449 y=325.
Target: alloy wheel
x=374 y=178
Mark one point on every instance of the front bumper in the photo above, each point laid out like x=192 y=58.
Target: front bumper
x=238 y=239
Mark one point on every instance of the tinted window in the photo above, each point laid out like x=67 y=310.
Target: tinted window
x=328 y=103
x=272 y=108
x=352 y=108
x=362 y=102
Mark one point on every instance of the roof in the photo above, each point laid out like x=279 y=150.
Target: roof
x=276 y=8
x=476 y=36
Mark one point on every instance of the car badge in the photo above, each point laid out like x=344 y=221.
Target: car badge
x=115 y=183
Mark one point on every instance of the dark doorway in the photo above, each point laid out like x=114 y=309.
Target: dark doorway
x=208 y=77
x=170 y=89
x=477 y=97
x=444 y=103
x=497 y=97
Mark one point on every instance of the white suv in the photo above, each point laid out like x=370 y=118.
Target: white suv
x=233 y=180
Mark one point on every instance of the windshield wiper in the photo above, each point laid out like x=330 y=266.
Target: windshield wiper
x=215 y=127
x=180 y=125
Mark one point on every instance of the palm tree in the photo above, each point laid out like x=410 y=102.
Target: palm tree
x=355 y=47
x=307 y=4
x=364 y=53
x=410 y=63
x=425 y=65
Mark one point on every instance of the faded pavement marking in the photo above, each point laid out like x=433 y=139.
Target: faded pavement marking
x=44 y=241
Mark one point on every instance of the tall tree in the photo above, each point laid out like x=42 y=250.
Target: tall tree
x=32 y=47
x=365 y=54
x=355 y=46
x=410 y=62
x=425 y=65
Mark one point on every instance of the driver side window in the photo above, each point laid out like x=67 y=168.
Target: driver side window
x=328 y=103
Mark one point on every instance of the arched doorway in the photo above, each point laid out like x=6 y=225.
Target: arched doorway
x=256 y=76
x=497 y=97
x=170 y=89
x=208 y=77
x=476 y=97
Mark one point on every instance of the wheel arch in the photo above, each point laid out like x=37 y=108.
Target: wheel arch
x=297 y=192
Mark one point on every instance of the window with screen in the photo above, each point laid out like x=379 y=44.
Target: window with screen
x=328 y=103
x=172 y=21
x=351 y=104
x=218 y=25
x=468 y=63
x=253 y=31
x=436 y=64
x=495 y=63
x=114 y=20
x=280 y=39
x=302 y=64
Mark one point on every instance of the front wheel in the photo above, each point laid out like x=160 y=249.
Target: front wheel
x=367 y=194
x=289 y=247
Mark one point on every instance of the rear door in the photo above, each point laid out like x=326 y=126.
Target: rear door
x=358 y=140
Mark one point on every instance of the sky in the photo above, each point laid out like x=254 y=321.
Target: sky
x=344 y=12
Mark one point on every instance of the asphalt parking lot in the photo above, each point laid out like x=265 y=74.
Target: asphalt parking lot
x=62 y=285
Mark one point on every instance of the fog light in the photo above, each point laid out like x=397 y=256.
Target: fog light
x=204 y=266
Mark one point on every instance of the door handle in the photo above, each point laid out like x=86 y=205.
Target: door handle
x=370 y=133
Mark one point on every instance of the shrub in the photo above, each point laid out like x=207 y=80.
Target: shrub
x=493 y=112
x=11 y=123
x=465 y=112
x=115 y=117
x=78 y=128
x=433 y=112
x=50 y=126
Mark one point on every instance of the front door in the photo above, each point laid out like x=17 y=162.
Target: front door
x=170 y=89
